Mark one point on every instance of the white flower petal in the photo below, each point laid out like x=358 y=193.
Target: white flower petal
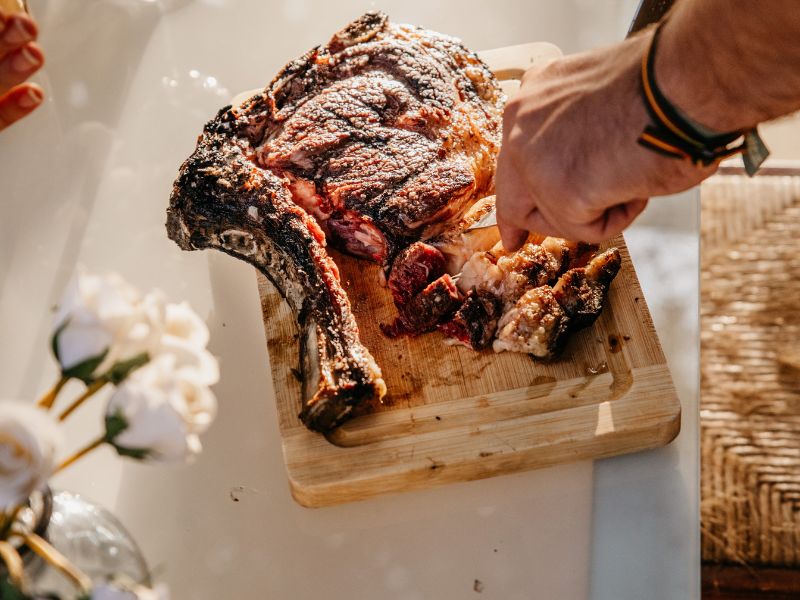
x=163 y=410
x=197 y=363
x=98 y=313
x=200 y=406
x=182 y=322
x=78 y=342
x=29 y=442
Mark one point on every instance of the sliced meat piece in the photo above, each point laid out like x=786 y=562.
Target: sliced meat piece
x=542 y=318
x=475 y=322
x=434 y=304
x=413 y=269
x=582 y=291
x=510 y=274
x=458 y=243
x=481 y=272
x=536 y=325
x=529 y=267
x=569 y=254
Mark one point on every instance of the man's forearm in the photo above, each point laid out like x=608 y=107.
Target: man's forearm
x=729 y=65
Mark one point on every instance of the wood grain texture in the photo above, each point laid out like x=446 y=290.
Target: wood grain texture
x=452 y=414
x=736 y=582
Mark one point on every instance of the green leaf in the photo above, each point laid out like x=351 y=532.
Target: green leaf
x=116 y=424
x=85 y=370
x=54 y=339
x=122 y=369
x=135 y=453
x=8 y=591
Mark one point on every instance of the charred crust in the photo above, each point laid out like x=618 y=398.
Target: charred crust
x=330 y=411
x=362 y=30
x=480 y=314
x=582 y=294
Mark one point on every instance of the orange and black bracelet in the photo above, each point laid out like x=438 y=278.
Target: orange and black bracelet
x=672 y=134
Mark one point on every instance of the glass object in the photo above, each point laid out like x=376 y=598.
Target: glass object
x=88 y=535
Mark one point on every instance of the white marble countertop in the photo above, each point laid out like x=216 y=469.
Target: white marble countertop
x=86 y=180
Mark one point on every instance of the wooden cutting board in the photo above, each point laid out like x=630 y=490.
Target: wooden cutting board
x=453 y=414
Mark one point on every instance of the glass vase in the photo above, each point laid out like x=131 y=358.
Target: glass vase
x=88 y=535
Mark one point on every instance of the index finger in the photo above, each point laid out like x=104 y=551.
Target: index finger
x=15 y=31
x=17 y=103
x=512 y=203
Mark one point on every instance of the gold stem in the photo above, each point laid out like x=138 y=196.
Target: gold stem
x=14 y=566
x=79 y=454
x=43 y=548
x=96 y=385
x=49 y=398
x=8 y=521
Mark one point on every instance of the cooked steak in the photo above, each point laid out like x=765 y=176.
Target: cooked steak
x=425 y=310
x=384 y=136
x=536 y=324
x=377 y=139
x=413 y=269
x=475 y=322
x=542 y=318
x=582 y=291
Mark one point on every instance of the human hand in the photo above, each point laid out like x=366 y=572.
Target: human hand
x=20 y=57
x=570 y=164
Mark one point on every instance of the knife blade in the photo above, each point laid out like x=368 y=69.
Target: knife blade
x=487 y=220
x=647 y=13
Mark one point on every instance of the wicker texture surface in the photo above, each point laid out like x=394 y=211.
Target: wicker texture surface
x=750 y=370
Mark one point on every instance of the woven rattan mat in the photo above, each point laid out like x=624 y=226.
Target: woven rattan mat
x=750 y=369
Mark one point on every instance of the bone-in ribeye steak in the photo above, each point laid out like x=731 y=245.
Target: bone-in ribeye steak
x=377 y=139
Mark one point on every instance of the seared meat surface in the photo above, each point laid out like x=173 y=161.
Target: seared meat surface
x=385 y=135
x=475 y=322
x=429 y=307
x=536 y=325
x=413 y=269
x=543 y=317
x=377 y=139
x=524 y=301
x=582 y=291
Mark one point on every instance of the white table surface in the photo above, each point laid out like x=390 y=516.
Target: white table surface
x=86 y=181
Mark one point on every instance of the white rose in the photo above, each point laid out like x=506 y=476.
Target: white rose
x=104 y=314
x=185 y=336
x=29 y=442
x=183 y=323
x=127 y=591
x=161 y=410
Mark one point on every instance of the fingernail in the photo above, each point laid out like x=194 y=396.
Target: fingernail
x=24 y=61
x=32 y=97
x=18 y=32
